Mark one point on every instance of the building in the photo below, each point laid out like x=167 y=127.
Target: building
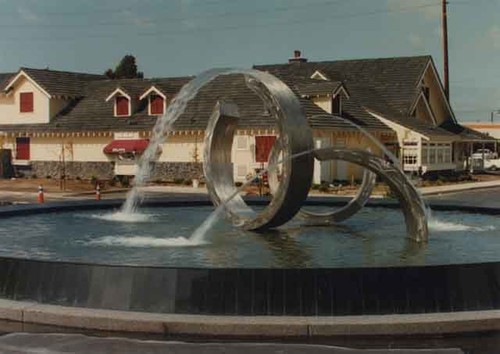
x=404 y=94
x=489 y=128
x=82 y=125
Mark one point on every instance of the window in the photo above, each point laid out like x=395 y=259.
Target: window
x=26 y=102
x=410 y=157
x=122 y=106
x=22 y=148
x=337 y=104
x=263 y=146
x=427 y=92
x=155 y=104
x=425 y=152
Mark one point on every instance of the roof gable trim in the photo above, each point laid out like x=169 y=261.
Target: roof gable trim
x=150 y=90
x=22 y=73
x=116 y=92
x=318 y=75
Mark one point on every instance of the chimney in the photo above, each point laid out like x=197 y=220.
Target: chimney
x=297 y=58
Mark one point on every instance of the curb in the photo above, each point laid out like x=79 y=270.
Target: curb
x=246 y=326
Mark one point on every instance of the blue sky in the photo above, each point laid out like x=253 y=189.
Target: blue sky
x=185 y=37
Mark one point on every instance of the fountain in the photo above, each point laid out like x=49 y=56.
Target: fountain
x=274 y=258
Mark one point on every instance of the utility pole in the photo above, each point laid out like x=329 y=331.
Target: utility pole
x=445 y=51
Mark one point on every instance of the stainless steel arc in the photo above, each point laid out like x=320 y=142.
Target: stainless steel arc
x=297 y=168
x=411 y=203
x=294 y=152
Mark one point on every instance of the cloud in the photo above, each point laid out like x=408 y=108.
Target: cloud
x=136 y=20
x=416 y=41
x=28 y=14
x=429 y=9
x=493 y=37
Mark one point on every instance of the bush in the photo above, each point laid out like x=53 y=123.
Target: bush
x=178 y=180
x=93 y=180
x=187 y=182
x=125 y=181
x=315 y=186
x=78 y=178
x=34 y=176
x=48 y=177
x=324 y=187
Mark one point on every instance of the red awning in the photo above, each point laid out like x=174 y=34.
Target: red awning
x=122 y=146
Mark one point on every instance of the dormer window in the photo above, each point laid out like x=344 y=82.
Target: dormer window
x=26 y=102
x=156 y=104
x=157 y=101
x=122 y=106
x=337 y=104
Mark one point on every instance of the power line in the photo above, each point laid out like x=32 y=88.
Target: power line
x=240 y=26
x=176 y=19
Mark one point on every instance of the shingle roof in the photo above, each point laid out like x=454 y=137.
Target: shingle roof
x=311 y=87
x=392 y=79
x=4 y=79
x=465 y=133
x=92 y=113
x=61 y=83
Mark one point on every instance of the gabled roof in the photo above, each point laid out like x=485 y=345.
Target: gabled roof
x=312 y=87
x=417 y=126
x=466 y=133
x=58 y=83
x=393 y=80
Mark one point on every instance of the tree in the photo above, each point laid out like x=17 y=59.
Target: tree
x=126 y=69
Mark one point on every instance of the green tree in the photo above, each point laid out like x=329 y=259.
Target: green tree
x=126 y=69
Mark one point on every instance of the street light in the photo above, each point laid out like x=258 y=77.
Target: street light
x=497 y=111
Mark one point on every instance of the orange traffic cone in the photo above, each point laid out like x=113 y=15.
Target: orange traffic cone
x=97 y=192
x=41 y=197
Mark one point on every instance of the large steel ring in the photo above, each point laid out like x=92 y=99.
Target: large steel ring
x=297 y=166
x=413 y=207
x=337 y=215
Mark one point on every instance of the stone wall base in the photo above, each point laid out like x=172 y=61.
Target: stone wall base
x=73 y=169
x=169 y=171
x=162 y=171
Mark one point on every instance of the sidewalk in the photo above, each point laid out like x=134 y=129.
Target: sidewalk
x=458 y=187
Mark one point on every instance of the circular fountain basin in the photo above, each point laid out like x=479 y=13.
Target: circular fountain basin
x=84 y=255
x=161 y=236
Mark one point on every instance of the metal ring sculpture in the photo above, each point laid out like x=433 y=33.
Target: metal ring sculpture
x=338 y=215
x=296 y=135
x=295 y=144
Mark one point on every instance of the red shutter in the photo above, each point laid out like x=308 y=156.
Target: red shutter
x=22 y=148
x=156 y=104
x=263 y=146
x=122 y=106
x=26 y=102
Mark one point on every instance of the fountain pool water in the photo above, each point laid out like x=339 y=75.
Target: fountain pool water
x=160 y=237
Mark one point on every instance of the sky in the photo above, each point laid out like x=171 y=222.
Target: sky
x=185 y=37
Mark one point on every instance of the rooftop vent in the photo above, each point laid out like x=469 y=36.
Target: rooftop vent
x=297 y=57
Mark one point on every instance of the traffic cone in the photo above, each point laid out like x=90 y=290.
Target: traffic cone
x=41 y=197
x=98 y=192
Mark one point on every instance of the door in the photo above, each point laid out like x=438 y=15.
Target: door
x=22 y=148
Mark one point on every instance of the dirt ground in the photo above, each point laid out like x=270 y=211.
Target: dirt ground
x=79 y=186
x=49 y=185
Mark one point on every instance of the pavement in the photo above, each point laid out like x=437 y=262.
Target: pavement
x=10 y=196
x=21 y=343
